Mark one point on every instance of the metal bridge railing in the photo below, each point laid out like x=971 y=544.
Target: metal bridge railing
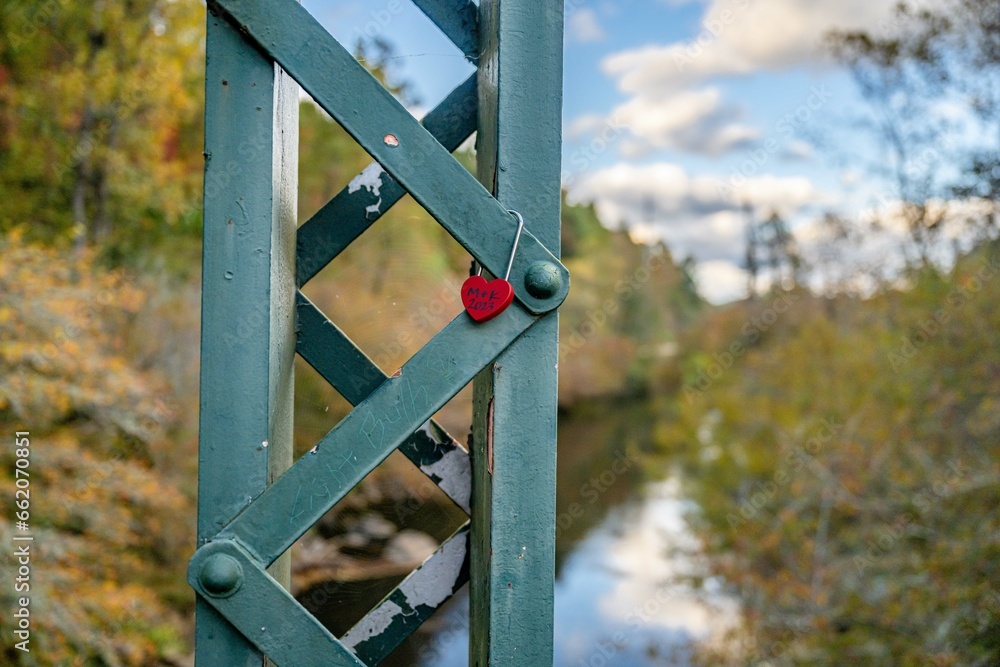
x=254 y=502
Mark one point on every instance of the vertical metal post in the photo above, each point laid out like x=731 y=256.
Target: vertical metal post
x=514 y=428
x=248 y=300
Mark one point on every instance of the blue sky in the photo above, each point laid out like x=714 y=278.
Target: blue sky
x=680 y=113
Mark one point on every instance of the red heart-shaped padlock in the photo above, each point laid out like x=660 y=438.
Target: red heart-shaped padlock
x=485 y=300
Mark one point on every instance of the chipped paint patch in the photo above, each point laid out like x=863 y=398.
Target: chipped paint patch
x=454 y=469
x=373 y=624
x=436 y=579
x=370 y=179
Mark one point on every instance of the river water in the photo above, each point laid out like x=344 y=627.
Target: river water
x=621 y=525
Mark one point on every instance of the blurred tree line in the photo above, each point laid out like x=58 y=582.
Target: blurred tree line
x=844 y=464
x=840 y=442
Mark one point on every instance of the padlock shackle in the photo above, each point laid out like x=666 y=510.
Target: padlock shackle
x=517 y=239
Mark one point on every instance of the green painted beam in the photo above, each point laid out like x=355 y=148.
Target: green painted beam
x=404 y=148
x=363 y=439
x=248 y=291
x=411 y=603
x=228 y=579
x=349 y=370
x=515 y=400
x=356 y=208
x=458 y=20
x=334 y=356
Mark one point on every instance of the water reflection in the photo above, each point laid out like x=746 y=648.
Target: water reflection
x=615 y=603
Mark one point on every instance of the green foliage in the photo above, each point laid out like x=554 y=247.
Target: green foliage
x=845 y=468
x=623 y=313
x=100 y=121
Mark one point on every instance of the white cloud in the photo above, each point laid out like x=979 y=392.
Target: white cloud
x=696 y=215
x=950 y=109
x=721 y=281
x=584 y=125
x=951 y=215
x=695 y=121
x=850 y=178
x=583 y=26
x=672 y=107
x=784 y=195
x=858 y=254
x=740 y=37
x=798 y=150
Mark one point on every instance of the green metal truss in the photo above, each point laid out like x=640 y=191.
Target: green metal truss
x=253 y=501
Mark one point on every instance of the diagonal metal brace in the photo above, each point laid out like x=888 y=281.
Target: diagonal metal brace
x=356 y=208
x=458 y=20
x=363 y=439
x=414 y=158
x=349 y=370
x=411 y=603
x=230 y=580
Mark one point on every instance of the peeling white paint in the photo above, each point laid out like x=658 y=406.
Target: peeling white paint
x=435 y=580
x=372 y=625
x=369 y=179
x=374 y=208
x=454 y=470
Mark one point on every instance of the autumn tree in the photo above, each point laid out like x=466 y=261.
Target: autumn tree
x=112 y=527
x=771 y=248
x=100 y=119
x=924 y=58
x=846 y=476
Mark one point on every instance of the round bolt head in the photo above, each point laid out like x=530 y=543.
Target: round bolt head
x=221 y=575
x=543 y=280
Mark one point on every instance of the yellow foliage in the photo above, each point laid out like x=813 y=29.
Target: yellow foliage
x=98 y=503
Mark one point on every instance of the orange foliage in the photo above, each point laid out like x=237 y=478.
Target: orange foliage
x=103 y=517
